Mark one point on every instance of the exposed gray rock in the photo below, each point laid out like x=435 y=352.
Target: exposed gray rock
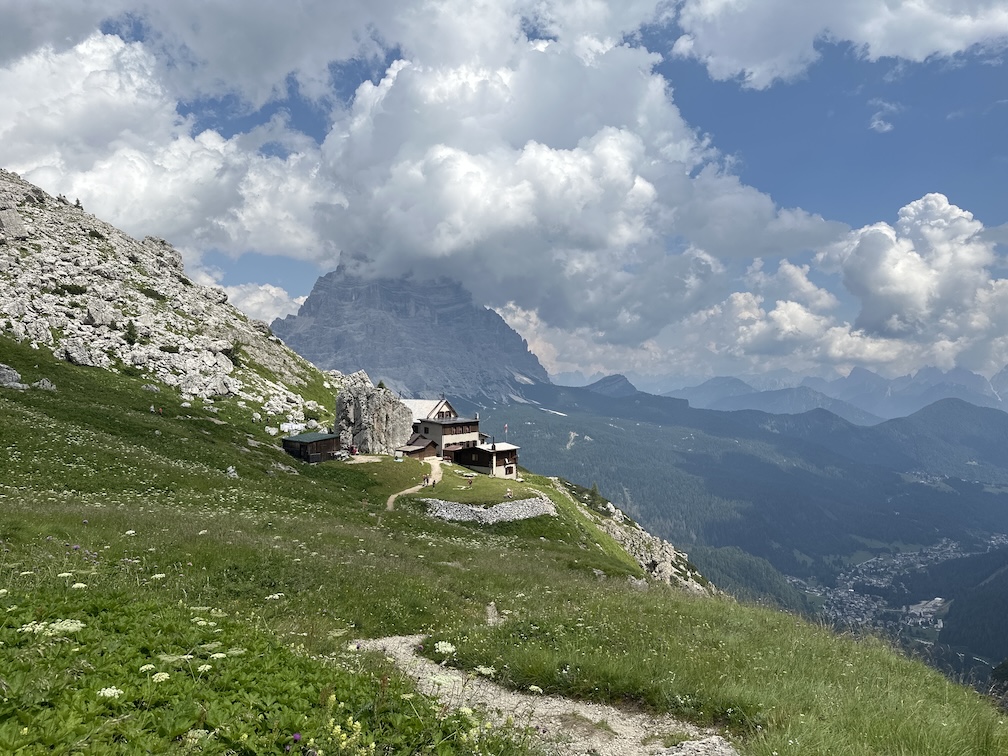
x=372 y=419
x=44 y=384
x=99 y=313
x=419 y=337
x=507 y=511
x=657 y=557
x=70 y=282
x=10 y=378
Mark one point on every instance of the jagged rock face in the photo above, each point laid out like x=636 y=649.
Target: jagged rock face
x=78 y=286
x=657 y=557
x=372 y=419
x=423 y=338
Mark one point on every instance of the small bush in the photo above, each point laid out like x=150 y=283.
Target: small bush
x=131 y=333
x=71 y=289
x=152 y=293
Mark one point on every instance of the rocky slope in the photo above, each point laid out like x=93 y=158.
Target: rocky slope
x=422 y=338
x=78 y=286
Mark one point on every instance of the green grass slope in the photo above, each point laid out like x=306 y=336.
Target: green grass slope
x=174 y=583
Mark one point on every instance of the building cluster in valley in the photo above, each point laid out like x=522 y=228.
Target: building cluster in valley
x=437 y=431
x=865 y=594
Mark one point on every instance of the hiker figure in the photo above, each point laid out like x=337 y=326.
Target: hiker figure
x=470 y=482
x=508 y=493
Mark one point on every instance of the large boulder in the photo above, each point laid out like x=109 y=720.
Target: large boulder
x=372 y=419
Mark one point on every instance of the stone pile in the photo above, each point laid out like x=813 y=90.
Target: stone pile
x=94 y=296
x=369 y=418
x=508 y=511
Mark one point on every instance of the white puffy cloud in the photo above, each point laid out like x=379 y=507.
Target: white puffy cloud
x=762 y=41
x=921 y=279
x=554 y=176
x=263 y=301
x=566 y=185
x=94 y=122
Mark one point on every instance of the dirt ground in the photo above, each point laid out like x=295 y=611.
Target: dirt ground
x=566 y=727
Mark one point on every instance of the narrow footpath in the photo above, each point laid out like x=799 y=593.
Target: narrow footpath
x=435 y=477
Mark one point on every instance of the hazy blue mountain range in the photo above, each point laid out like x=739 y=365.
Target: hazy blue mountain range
x=862 y=397
x=728 y=394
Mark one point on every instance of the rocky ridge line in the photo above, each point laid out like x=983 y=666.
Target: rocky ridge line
x=94 y=296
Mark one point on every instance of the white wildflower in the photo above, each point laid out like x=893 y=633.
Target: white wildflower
x=130 y=533
x=535 y=689
x=158 y=576
x=146 y=667
x=218 y=655
x=79 y=586
x=65 y=575
x=204 y=667
x=3 y=592
x=444 y=648
x=160 y=677
x=111 y=692
x=486 y=671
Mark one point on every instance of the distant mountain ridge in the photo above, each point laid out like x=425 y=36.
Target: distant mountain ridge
x=421 y=337
x=862 y=397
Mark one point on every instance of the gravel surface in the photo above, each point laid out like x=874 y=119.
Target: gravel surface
x=566 y=727
x=507 y=511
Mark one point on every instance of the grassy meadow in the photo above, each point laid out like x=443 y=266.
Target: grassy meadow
x=173 y=582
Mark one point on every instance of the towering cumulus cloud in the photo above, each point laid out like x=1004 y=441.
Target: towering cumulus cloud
x=533 y=150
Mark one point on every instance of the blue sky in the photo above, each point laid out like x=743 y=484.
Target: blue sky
x=673 y=190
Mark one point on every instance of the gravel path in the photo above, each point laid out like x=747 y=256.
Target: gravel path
x=567 y=727
x=435 y=476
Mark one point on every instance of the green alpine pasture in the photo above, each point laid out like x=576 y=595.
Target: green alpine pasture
x=171 y=581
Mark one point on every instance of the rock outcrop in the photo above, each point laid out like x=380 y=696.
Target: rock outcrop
x=422 y=338
x=658 y=558
x=369 y=418
x=94 y=296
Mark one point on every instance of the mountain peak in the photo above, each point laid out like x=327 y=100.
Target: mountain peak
x=422 y=337
x=616 y=386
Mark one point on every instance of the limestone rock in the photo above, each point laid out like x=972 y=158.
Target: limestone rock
x=10 y=378
x=659 y=558
x=419 y=337
x=372 y=419
x=97 y=297
x=44 y=384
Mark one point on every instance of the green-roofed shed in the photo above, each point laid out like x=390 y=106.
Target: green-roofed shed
x=313 y=446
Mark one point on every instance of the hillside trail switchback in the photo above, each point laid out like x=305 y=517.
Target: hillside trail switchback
x=435 y=477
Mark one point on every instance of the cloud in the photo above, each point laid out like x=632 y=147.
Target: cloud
x=770 y=40
x=263 y=302
x=884 y=110
x=528 y=147
x=95 y=122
